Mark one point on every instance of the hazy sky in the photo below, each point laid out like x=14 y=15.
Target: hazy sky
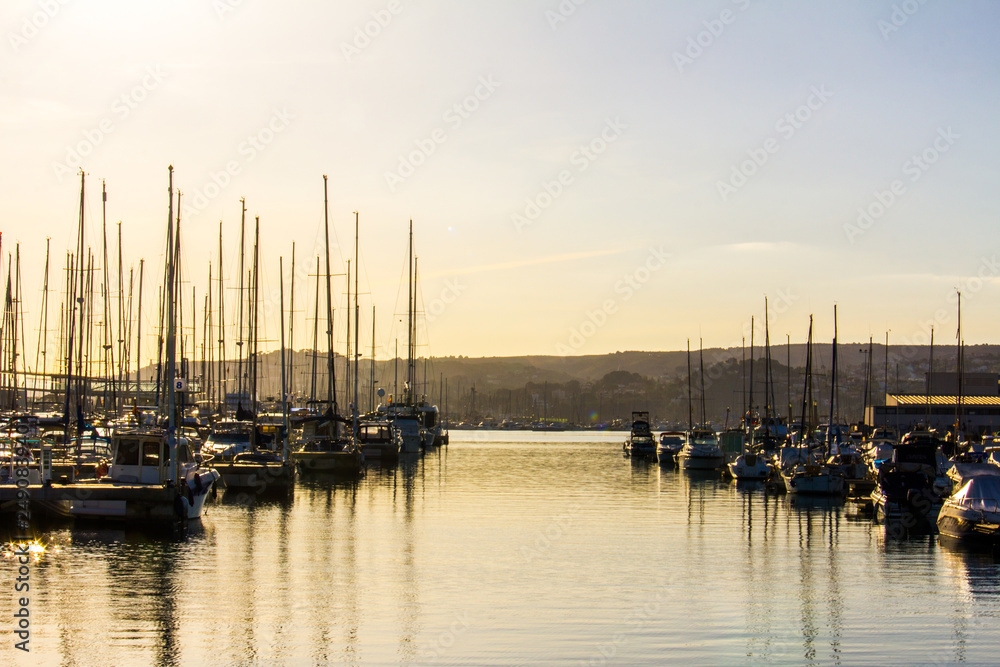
x=583 y=177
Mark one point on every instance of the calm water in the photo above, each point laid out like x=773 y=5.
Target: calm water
x=511 y=548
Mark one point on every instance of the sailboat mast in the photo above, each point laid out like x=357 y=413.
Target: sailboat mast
x=960 y=368
x=806 y=390
x=690 y=405
x=122 y=365
x=833 y=385
x=138 y=334
x=239 y=334
x=284 y=386
x=701 y=368
x=171 y=341
x=43 y=338
x=357 y=322
x=222 y=335
x=315 y=345
x=409 y=324
x=331 y=389
x=291 y=330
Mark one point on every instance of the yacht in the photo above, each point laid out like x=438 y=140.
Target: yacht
x=701 y=451
x=640 y=444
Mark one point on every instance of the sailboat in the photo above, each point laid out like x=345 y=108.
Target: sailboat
x=814 y=478
x=415 y=425
x=324 y=446
x=153 y=474
x=702 y=450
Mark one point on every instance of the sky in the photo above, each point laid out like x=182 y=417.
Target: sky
x=582 y=177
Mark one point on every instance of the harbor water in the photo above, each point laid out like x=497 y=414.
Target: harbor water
x=509 y=548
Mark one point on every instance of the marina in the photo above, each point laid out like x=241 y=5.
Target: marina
x=514 y=548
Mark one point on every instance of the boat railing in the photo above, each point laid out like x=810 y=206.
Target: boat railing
x=984 y=505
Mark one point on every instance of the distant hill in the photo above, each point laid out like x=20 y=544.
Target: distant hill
x=589 y=387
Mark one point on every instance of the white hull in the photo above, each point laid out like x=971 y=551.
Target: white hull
x=820 y=483
x=759 y=469
x=700 y=462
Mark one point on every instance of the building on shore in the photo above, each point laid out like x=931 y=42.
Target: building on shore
x=972 y=401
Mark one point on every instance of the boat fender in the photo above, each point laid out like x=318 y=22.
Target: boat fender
x=101 y=470
x=198 y=486
x=180 y=506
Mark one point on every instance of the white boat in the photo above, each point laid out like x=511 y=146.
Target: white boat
x=701 y=451
x=640 y=444
x=972 y=514
x=907 y=487
x=670 y=445
x=748 y=466
x=406 y=433
x=229 y=437
x=377 y=442
x=141 y=464
x=816 y=480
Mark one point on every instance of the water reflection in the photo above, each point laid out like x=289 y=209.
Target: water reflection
x=499 y=552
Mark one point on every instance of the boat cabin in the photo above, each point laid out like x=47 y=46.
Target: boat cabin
x=144 y=458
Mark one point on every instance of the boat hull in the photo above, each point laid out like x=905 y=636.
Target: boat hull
x=968 y=525
x=345 y=462
x=696 y=462
x=816 y=484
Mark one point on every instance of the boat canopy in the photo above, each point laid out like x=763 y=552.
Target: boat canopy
x=981 y=492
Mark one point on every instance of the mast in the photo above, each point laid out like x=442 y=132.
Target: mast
x=284 y=387
x=222 y=335
x=371 y=396
x=138 y=335
x=357 y=322
x=690 y=405
x=930 y=371
x=43 y=338
x=239 y=335
x=348 y=364
x=331 y=387
x=833 y=385
x=291 y=330
x=960 y=367
x=109 y=356
x=701 y=367
x=807 y=389
x=122 y=365
x=254 y=323
x=315 y=345
x=750 y=411
x=171 y=341
x=409 y=324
